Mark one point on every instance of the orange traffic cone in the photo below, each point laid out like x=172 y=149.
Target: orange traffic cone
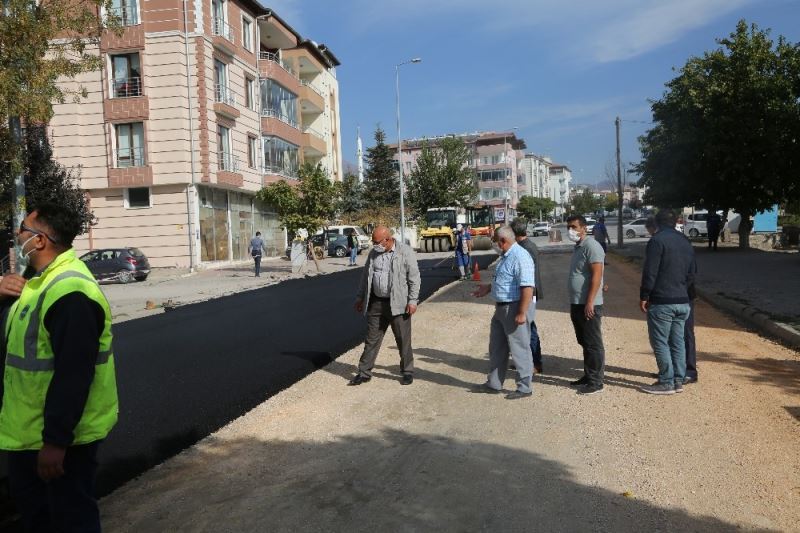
x=476 y=273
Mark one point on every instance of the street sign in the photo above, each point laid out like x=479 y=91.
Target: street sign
x=499 y=214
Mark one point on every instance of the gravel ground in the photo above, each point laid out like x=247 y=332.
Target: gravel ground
x=321 y=456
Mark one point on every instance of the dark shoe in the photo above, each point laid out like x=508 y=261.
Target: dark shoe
x=483 y=388
x=578 y=382
x=538 y=369
x=678 y=387
x=358 y=380
x=689 y=379
x=658 y=388
x=516 y=395
x=408 y=379
x=590 y=389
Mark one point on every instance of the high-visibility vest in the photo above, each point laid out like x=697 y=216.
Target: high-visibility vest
x=29 y=360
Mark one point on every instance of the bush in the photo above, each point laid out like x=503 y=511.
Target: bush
x=789 y=220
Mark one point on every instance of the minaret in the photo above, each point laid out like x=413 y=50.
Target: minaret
x=359 y=155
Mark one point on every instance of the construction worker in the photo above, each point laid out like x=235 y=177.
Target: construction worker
x=59 y=397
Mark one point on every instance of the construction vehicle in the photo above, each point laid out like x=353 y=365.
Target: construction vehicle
x=441 y=222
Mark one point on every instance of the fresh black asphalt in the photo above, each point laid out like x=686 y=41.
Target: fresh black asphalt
x=184 y=374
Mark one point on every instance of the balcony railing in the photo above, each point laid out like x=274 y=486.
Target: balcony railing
x=224 y=95
x=228 y=162
x=129 y=157
x=311 y=86
x=269 y=56
x=127 y=87
x=126 y=15
x=312 y=131
x=223 y=29
x=283 y=117
x=280 y=171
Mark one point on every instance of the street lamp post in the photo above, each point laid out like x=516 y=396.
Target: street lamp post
x=400 y=148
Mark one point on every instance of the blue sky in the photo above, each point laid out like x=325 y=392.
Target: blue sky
x=559 y=70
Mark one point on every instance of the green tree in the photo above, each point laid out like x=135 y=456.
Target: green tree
x=381 y=183
x=585 y=202
x=611 y=202
x=727 y=129
x=442 y=177
x=309 y=205
x=533 y=208
x=349 y=194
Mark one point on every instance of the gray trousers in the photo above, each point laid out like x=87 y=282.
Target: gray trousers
x=379 y=317
x=505 y=336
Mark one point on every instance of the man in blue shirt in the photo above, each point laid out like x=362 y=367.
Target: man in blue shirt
x=463 y=248
x=510 y=328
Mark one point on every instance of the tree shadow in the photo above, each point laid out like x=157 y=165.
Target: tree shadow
x=391 y=481
x=781 y=373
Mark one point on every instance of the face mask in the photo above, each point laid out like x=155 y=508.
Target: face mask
x=24 y=259
x=379 y=248
x=573 y=235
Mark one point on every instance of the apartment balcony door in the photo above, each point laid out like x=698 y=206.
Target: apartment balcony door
x=127 y=81
x=129 y=140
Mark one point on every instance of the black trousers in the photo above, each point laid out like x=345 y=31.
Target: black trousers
x=590 y=337
x=713 y=237
x=691 y=345
x=257 y=259
x=379 y=317
x=66 y=504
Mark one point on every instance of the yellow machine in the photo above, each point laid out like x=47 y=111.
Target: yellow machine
x=439 y=236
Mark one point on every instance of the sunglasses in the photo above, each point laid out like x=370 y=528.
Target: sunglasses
x=381 y=241
x=23 y=228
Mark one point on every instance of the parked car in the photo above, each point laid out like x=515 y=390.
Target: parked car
x=590 y=222
x=635 y=228
x=364 y=240
x=540 y=228
x=120 y=264
x=696 y=224
x=337 y=244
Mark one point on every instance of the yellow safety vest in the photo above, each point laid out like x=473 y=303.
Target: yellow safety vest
x=29 y=360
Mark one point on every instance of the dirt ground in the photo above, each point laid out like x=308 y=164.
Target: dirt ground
x=433 y=456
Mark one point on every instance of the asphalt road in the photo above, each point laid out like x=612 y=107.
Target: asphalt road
x=184 y=374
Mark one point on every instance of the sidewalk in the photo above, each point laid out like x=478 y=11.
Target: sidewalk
x=757 y=287
x=322 y=456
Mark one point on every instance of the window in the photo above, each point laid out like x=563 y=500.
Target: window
x=247 y=34
x=250 y=93
x=227 y=161
x=126 y=80
x=252 y=150
x=279 y=102
x=137 y=198
x=129 y=142
x=280 y=157
x=125 y=11
x=222 y=93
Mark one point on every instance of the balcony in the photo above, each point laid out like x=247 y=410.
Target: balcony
x=225 y=101
x=126 y=87
x=311 y=98
x=280 y=171
x=271 y=66
x=227 y=162
x=129 y=157
x=314 y=143
x=125 y=15
x=223 y=37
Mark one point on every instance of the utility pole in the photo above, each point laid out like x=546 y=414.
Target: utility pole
x=619 y=190
x=18 y=192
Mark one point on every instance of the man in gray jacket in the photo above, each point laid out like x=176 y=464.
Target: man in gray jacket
x=388 y=295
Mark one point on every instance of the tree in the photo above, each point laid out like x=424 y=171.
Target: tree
x=532 y=208
x=442 y=177
x=611 y=202
x=585 y=202
x=349 y=195
x=727 y=129
x=381 y=183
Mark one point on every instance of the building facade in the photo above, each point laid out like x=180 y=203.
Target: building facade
x=560 y=178
x=496 y=159
x=535 y=176
x=200 y=103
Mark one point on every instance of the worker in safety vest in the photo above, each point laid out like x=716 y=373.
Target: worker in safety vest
x=59 y=396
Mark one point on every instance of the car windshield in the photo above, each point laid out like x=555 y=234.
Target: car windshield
x=441 y=218
x=479 y=218
x=135 y=252
x=541 y=224
x=358 y=230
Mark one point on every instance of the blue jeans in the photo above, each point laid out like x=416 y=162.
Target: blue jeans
x=536 y=346
x=666 y=323
x=353 y=253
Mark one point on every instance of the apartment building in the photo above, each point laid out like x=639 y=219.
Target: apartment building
x=200 y=104
x=496 y=159
x=534 y=177
x=560 y=178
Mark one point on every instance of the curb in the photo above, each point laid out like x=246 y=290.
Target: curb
x=745 y=314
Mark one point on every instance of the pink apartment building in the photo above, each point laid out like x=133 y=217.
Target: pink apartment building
x=199 y=105
x=497 y=158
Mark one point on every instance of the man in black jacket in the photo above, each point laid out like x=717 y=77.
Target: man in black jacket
x=664 y=295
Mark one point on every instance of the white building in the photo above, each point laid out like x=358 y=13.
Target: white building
x=534 y=176
x=560 y=177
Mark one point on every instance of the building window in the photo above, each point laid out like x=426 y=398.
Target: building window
x=222 y=92
x=129 y=145
x=247 y=34
x=137 y=198
x=279 y=102
x=492 y=175
x=125 y=11
x=226 y=160
x=220 y=20
x=126 y=78
x=252 y=150
x=250 y=93
x=280 y=157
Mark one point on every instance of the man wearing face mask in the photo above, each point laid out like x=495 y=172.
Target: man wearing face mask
x=388 y=293
x=586 y=303
x=510 y=328
x=59 y=397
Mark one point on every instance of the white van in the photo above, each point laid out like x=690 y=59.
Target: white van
x=695 y=224
x=364 y=241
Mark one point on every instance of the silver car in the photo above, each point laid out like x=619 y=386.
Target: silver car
x=635 y=228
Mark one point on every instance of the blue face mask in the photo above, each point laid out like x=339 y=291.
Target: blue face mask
x=380 y=248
